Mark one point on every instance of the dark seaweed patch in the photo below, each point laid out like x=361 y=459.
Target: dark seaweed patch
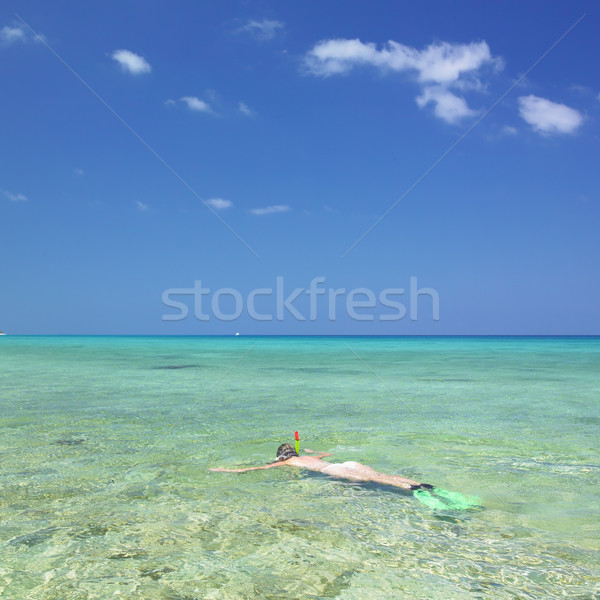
x=156 y=574
x=92 y=531
x=34 y=538
x=134 y=553
x=73 y=442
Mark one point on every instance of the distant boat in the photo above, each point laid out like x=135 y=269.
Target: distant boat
x=237 y=333
x=2 y=333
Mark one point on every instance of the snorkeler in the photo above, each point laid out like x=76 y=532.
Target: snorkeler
x=353 y=471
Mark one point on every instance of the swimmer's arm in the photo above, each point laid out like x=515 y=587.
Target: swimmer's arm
x=319 y=454
x=276 y=464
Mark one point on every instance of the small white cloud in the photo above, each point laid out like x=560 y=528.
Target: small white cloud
x=447 y=106
x=196 y=104
x=10 y=35
x=548 y=117
x=332 y=57
x=219 y=203
x=79 y=172
x=580 y=89
x=141 y=206
x=447 y=63
x=14 y=197
x=17 y=33
x=269 y=210
x=510 y=130
x=263 y=30
x=245 y=109
x=131 y=62
x=170 y=102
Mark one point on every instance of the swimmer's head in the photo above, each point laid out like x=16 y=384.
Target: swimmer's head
x=285 y=451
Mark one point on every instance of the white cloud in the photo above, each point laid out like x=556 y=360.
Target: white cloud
x=131 y=62
x=14 y=197
x=546 y=116
x=447 y=106
x=245 y=109
x=141 y=206
x=269 y=210
x=219 y=203
x=196 y=104
x=79 y=172
x=510 y=130
x=262 y=30
x=170 y=102
x=437 y=67
x=441 y=63
x=10 y=35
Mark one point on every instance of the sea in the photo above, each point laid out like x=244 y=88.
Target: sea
x=106 y=445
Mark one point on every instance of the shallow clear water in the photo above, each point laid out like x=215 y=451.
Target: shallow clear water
x=105 y=444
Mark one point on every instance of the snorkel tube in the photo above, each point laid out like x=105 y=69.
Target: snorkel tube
x=297 y=442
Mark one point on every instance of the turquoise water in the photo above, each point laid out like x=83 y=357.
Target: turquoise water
x=105 y=444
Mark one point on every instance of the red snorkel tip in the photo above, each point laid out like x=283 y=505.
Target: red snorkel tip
x=296 y=436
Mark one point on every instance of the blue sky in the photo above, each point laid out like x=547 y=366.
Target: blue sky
x=149 y=145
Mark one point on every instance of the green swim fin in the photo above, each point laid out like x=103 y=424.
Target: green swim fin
x=458 y=501
x=445 y=500
x=425 y=497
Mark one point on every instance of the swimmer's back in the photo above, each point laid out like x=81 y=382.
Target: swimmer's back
x=350 y=470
